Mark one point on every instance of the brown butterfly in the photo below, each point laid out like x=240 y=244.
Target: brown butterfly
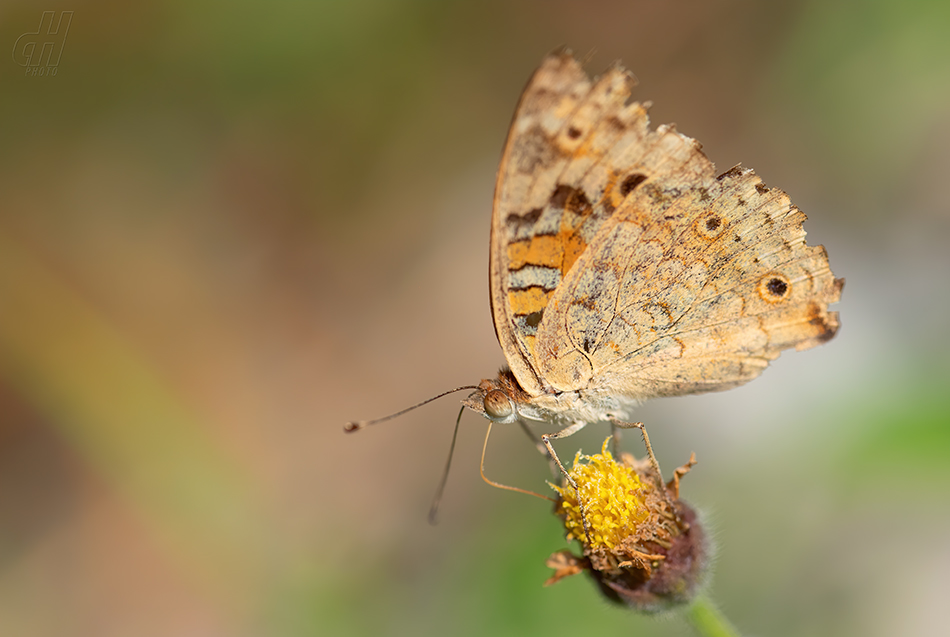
x=622 y=268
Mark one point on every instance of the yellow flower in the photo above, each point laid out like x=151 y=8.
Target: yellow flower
x=643 y=545
x=614 y=497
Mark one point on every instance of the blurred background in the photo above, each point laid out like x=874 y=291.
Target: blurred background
x=226 y=228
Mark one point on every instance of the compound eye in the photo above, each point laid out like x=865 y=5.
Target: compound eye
x=497 y=405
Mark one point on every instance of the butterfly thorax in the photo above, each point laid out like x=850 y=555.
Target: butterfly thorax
x=503 y=400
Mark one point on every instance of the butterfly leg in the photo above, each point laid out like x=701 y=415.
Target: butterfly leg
x=653 y=461
x=564 y=433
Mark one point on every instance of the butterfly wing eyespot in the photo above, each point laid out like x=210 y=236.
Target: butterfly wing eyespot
x=498 y=406
x=774 y=287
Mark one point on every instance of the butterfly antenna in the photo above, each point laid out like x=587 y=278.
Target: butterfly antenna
x=352 y=426
x=437 y=500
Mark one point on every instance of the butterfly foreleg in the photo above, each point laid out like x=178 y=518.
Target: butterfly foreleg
x=564 y=433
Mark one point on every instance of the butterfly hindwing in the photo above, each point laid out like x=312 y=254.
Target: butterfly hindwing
x=713 y=283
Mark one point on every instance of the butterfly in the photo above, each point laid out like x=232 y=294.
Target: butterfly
x=623 y=268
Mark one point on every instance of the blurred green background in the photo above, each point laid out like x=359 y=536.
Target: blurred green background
x=226 y=228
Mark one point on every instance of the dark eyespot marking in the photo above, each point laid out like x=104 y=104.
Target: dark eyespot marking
x=573 y=132
x=774 y=288
x=738 y=238
x=631 y=182
x=710 y=226
x=533 y=319
x=761 y=188
x=777 y=287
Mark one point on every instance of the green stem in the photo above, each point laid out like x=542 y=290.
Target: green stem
x=708 y=620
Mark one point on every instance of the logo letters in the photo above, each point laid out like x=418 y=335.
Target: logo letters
x=41 y=50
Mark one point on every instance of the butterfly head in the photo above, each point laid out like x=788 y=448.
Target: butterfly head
x=497 y=398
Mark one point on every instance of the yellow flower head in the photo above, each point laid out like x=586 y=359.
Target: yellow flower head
x=614 y=496
x=644 y=546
